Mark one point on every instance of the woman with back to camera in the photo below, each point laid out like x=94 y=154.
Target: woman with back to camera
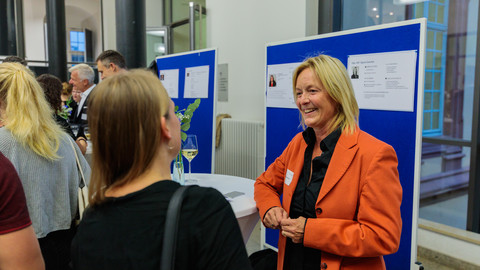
x=135 y=136
x=66 y=93
x=340 y=186
x=52 y=87
x=43 y=156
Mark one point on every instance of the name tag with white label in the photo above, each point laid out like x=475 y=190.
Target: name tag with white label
x=84 y=116
x=288 y=177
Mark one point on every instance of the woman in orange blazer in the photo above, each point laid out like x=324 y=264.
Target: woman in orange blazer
x=340 y=185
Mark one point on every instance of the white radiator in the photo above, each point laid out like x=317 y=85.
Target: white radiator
x=241 y=149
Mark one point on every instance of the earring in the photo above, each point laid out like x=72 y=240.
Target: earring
x=169 y=147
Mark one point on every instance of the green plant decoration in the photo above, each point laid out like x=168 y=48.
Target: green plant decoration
x=185 y=117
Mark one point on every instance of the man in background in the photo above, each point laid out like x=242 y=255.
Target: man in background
x=82 y=78
x=110 y=62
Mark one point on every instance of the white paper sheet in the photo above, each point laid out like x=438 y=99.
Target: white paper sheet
x=169 y=79
x=196 y=82
x=384 y=81
x=279 y=85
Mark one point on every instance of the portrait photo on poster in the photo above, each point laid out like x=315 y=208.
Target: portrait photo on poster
x=354 y=72
x=272 y=82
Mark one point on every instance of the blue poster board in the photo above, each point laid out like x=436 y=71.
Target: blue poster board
x=203 y=121
x=401 y=129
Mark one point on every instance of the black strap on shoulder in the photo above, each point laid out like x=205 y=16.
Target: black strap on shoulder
x=171 y=228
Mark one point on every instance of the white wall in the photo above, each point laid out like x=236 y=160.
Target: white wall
x=79 y=15
x=109 y=34
x=154 y=13
x=33 y=14
x=311 y=27
x=240 y=31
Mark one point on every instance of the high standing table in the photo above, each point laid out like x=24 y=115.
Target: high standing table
x=239 y=192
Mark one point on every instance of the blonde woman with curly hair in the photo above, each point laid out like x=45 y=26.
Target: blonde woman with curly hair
x=43 y=156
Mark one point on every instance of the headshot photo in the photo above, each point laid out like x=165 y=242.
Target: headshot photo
x=272 y=82
x=354 y=72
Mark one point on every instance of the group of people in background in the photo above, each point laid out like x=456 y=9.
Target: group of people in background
x=135 y=135
x=42 y=124
x=43 y=155
x=334 y=193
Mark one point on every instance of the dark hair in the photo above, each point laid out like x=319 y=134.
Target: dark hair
x=52 y=87
x=153 y=67
x=15 y=59
x=111 y=56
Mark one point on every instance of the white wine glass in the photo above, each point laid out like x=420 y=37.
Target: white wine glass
x=189 y=151
x=86 y=132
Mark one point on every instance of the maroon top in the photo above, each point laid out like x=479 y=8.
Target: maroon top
x=13 y=205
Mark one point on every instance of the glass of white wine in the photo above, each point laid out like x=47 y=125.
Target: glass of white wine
x=86 y=132
x=189 y=151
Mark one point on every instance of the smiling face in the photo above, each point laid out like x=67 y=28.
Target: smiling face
x=313 y=101
x=78 y=84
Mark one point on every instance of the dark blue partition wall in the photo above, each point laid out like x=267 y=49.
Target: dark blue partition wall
x=203 y=121
x=397 y=128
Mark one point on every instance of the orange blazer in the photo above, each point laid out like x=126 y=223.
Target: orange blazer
x=358 y=207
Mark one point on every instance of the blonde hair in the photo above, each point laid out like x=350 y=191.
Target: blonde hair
x=125 y=131
x=27 y=113
x=66 y=88
x=334 y=77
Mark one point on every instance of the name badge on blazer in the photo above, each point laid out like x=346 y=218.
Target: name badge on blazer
x=84 y=116
x=288 y=177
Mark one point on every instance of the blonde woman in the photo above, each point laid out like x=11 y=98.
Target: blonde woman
x=135 y=136
x=341 y=189
x=43 y=156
